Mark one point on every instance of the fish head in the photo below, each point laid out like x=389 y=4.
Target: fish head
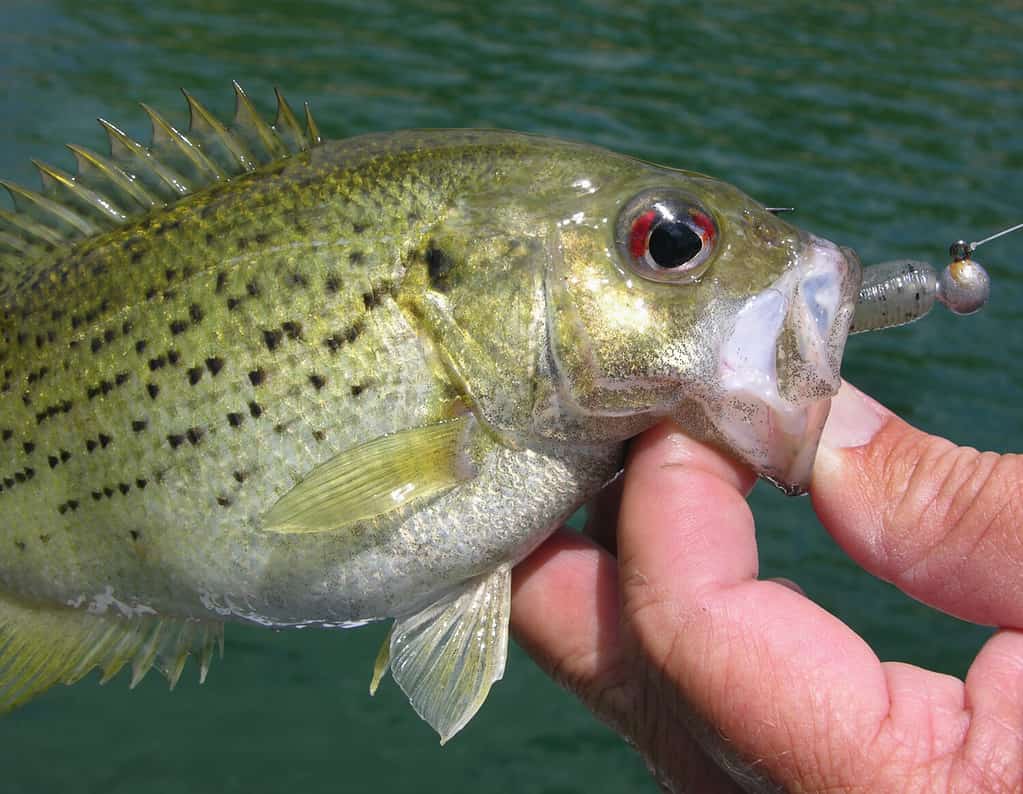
x=675 y=294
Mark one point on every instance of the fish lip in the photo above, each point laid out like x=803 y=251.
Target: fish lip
x=779 y=365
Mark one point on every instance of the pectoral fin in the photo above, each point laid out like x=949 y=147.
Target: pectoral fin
x=446 y=657
x=375 y=478
x=42 y=646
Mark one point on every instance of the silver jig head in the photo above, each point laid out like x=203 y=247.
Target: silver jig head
x=899 y=292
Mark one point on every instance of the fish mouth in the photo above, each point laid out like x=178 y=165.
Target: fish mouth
x=779 y=365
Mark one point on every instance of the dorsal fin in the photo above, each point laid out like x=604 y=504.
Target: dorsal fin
x=134 y=179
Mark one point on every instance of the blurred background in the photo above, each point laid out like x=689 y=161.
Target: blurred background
x=894 y=131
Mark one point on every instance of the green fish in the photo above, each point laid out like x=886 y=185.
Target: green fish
x=248 y=375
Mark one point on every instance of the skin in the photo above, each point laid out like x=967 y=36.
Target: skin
x=728 y=683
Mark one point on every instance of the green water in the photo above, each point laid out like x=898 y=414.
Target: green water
x=893 y=132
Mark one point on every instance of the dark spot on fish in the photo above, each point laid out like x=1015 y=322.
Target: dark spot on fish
x=157 y=363
x=138 y=425
x=214 y=365
x=151 y=293
x=239 y=476
x=272 y=339
x=232 y=303
x=141 y=483
x=90 y=445
x=195 y=312
x=62 y=508
x=6 y=434
x=65 y=456
x=134 y=533
x=109 y=335
x=29 y=447
x=29 y=472
x=292 y=329
x=121 y=378
x=136 y=257
x=108 y=492
x=332 y=284
x=242 y=243
x=194 y=375
x=126 y=327
x=252 y=288
x=221 y=282
x=357 y=389
x=256 y=377
x=95 y=344
x=170 y=274
x=175 y=440
x=104 y=440
x=318 y=381
x=358 y=228
x=123 y=487
x=44 y=538
x=280 y=428
x=73 y=504
x=178 y=327
x=438 y=266
x=319 y=435
x=356 y=257
x=97 y=495
x=298 y=280
x=153 y=390
x=224 y=501
x=235 y=419
x=255 y=409
x=194 y=435
x=52 y=460
x=19 y=476
x=140 y=346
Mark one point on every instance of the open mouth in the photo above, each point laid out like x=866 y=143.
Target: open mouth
x=779 y=366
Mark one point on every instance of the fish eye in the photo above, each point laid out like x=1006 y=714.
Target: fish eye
x=666 y=237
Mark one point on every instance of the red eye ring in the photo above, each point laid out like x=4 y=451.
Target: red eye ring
x=666 y=236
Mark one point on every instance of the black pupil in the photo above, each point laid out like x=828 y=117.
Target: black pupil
x=673 y=244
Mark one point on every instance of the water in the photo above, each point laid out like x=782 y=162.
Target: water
x=894 y=131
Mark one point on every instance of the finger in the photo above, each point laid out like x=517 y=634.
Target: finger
x=994 y=701
x=782 y=679
x=940 y=522
x=565 y=614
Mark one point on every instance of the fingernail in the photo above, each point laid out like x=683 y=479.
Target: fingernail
x=854 y=419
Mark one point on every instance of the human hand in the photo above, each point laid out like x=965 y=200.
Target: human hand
x=726 y=683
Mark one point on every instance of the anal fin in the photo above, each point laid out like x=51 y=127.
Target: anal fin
x=447 y=656
x=41 y=646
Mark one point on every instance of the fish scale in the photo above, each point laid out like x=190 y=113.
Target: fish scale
x=249 y=375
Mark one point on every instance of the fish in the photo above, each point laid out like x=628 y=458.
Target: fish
x=251 y=375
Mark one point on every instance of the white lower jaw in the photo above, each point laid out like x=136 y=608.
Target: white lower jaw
x=776 y=433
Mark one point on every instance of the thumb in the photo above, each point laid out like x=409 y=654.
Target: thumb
x=941 y=522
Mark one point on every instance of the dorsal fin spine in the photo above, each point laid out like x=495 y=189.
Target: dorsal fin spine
x=249 y=123
x=56 y=181
x=133 y=179
x=211 y=134
x=169 y=143
x=93 y=167
x=129 y=152
x=47 y=211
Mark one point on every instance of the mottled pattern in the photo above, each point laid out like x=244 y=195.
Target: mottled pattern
x=184 y=371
